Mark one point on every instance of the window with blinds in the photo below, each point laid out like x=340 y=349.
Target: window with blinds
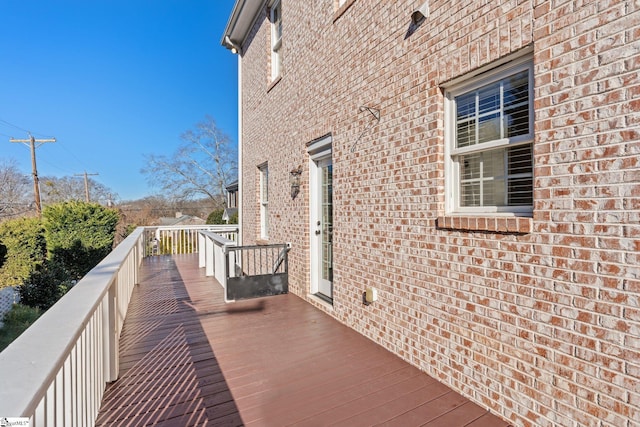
x=501 y=177
x=491 y=142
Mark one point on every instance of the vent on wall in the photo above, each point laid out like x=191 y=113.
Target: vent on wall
x=420 y=14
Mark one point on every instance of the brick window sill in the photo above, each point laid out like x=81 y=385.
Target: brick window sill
x=491 y=224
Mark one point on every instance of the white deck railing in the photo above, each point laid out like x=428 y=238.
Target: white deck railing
x=164 y=240
x=213 y=255
x=56 y=372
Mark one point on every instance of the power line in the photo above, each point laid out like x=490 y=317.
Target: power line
x=72 y=154
x=13 y=126
x=64 y=147
x=22 y=129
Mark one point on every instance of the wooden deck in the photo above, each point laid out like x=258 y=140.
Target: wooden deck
x=187 y=358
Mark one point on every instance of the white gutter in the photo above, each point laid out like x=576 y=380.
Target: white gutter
x=242 y=19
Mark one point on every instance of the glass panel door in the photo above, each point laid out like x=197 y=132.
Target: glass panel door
x=325 y=226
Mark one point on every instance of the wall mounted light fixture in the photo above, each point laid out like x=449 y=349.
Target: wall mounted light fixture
x=294 y=181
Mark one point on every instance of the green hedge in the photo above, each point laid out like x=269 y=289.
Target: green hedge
x=215 y=217
x=45 y=286
x=45 y=257
x=79 y=235
x=23 y=249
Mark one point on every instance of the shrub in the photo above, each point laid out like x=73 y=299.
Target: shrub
x=3 y=255
x=21 y=315
x=16 y=321
x=215 y=217
x=79 y=235
x=45 y=286
x=234 y=218
x=25 y=248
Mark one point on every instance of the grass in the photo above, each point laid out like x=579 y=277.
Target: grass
x=16 y=321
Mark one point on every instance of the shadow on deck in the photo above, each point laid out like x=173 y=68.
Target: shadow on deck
x=187 y=358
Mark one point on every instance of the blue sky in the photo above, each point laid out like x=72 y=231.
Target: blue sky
x=111 y=80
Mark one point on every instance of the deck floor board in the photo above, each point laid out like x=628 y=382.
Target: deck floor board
x=189 y=359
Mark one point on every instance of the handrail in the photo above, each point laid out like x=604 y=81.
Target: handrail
x=56 y=372
x=213 y=254
x=171 y=239
x=217 y=238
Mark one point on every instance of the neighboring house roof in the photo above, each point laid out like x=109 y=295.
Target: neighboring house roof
x=228 y=213
x=183 y=220
x=233 y=186
x=240 y=22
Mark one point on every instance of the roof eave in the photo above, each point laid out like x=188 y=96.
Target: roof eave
x=240 y=22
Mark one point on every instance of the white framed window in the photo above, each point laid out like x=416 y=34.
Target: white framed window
x=275 y=17
x=489 y=141
x=264 y=201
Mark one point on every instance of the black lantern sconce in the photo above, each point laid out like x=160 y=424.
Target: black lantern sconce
x=294 y=181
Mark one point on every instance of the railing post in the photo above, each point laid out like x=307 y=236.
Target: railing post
x=210 y=254
x=231 y=263
x=202 y=251
x=286 y=259
x=226 y=251
x=110 y=332
x=138 y=249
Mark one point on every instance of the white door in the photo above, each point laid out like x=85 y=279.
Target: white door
x=322 y=229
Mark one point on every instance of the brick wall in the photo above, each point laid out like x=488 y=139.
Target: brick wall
x=537 y=319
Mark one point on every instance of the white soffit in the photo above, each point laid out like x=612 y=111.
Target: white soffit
x=240 y=22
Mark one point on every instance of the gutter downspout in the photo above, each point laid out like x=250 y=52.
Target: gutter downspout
x=240 y=141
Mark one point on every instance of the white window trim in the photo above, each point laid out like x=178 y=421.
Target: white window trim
x=521 y=61
x=264 y=201
x=276 y=41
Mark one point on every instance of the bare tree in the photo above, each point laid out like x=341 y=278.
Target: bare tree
x=147 y=211
x=55 y=190
x=202 y=165
x=16 y=194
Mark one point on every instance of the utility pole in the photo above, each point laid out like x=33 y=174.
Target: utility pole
x=86 y=183
x=36 y=185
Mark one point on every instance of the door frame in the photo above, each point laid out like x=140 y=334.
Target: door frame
x=319 y=151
